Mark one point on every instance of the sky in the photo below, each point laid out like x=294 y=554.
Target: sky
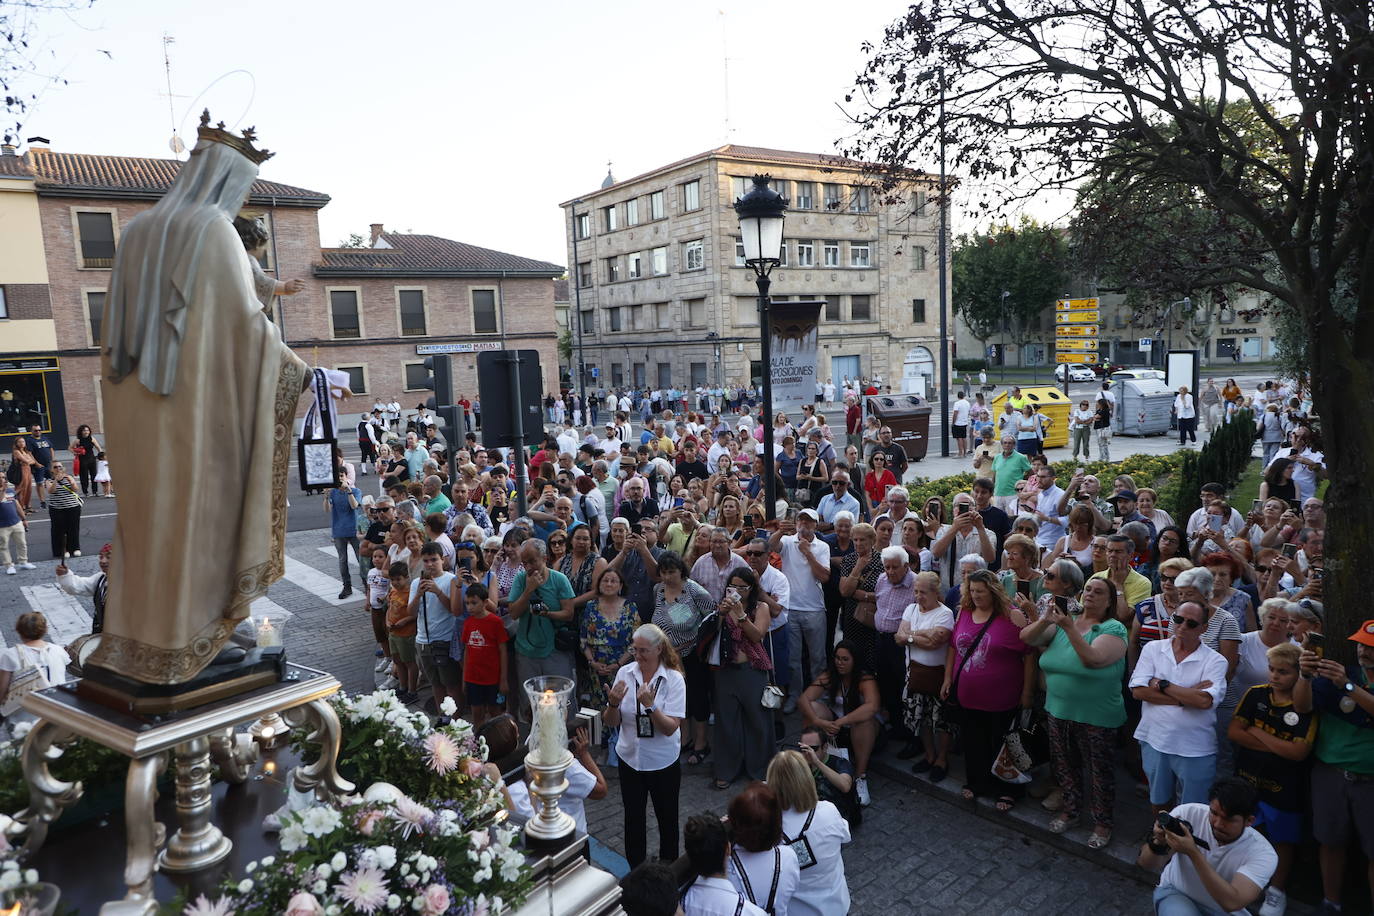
x=470 y=121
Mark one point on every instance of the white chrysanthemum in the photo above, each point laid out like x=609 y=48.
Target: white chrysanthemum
x=386 y=856
x=393 y=902
x=482 y=874
x=379 y=742
x=321 y=820
x=441 y=753
x=268 y=860
x=292 y=837
x=339 y=862
x=21 y=730
x=448 y=707
x=324 y=872
x=245 y=885
x=366 y=708
x=365 y=890
x=411 y=814
x=320 y=888
x=510 y=871
x=202 y=906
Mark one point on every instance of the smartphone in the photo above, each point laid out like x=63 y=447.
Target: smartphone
x=791 y=515
x=1060 y=601
x=1023 y=587
x=1295 y=505
x=465 y=563
x=1214 y=522
x=1289 y=550
x=751 y=520
x=679 y=502
x=1315 y=642
x=1255 y=505
x=732 y=593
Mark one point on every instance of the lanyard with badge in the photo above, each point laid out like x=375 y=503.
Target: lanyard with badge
x=644 y=721
x=749 y=887
x=801 y=845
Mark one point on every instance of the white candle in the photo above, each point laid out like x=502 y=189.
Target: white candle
x=550 y=731
x=268 y=635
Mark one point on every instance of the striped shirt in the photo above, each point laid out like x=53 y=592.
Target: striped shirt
x=63 y=497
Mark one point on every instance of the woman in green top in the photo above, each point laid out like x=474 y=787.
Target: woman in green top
x=1020 y=573
x=1083 y=663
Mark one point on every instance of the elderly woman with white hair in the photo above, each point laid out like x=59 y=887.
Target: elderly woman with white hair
x=857 y=575
x=1221 y=634
x=1063 y=581
x=968 y=563
x=1275 y=619
x=924 y=634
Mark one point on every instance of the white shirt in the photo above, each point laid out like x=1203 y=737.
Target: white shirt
x=806 y=588
x=52 y=658
x=775 y=583
x=1304 y=478
x=581 y=783
x=917 y=621
x=567 y=442
x=717 y=897
x=829 y=392
x=1249 y=855
x=625 y=404
x=1081 y=418
x=1184 y=407
x=713 y=454
x=822 y=890
x=1054 y=529
x=660 y=751
x=760 y=868
x=1180 y=730
x=959 y=412
x=1199 y=518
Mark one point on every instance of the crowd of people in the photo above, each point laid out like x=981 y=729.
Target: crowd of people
x=1037 y=604
x=646 y=568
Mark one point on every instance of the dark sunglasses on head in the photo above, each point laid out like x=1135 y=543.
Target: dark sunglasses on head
x=465 y=545
x=1180 y=620
x=1049 y=576
x=1167 y=578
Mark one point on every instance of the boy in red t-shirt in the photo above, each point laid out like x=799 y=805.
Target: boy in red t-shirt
x=485 y=657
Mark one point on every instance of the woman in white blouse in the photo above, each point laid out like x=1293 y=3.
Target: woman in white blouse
x=815 y=831
x=648 y=702
x=761 y=868
x=32 y=651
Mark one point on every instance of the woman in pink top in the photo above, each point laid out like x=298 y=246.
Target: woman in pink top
x=993 y=673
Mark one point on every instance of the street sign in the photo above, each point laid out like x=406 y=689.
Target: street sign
x=1146 y=343
x=595 y=371
x=1086 y=358
x=1080 y=316
x=1075 y=330
x=1066 y=305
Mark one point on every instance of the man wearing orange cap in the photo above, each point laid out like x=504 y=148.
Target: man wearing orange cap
x=1343 y=777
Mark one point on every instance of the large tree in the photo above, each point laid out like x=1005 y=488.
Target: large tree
x=1036 y=94
x=1027 y=262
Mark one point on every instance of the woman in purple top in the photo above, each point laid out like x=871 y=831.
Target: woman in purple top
x=993 y=672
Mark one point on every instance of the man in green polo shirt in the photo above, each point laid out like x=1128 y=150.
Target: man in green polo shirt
x=1008 y=469
x=1131 y=587
x=1343 y=776
x=541 y=604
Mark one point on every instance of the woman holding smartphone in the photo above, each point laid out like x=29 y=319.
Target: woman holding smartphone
x=743 y=732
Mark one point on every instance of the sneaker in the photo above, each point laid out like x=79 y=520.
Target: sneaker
x=861 y=788
x=383 y=665
x=347 y=590
x=76 y=553
x=27 y=566
x=10 y=571
x=1275 y=902
x=379 y=653
x=389 y=683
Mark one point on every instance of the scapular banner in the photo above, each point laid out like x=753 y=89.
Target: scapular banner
x=794 y=328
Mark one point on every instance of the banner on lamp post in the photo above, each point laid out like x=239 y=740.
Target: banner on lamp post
x=794 y=328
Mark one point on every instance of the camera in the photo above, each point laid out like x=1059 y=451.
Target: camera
x=537 y=606
x=1167 y=821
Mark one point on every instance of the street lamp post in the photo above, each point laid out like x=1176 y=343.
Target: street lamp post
x=576 y=276
x=1005 y=294
x=761 y=214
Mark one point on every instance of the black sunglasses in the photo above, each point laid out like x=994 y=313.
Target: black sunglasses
x=465 y=545
x=1191 y=624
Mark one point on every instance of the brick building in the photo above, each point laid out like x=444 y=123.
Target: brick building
x=371 y=311
x=665 y=298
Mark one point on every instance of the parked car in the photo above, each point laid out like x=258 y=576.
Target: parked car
x=1078 y=372
x=1104 y=370
x=1139 y=373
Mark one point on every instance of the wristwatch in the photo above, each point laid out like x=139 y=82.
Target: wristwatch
x=1349 y=687
x=1162 y=685
x=648 y=709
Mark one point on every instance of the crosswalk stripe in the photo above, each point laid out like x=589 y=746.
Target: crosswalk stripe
x=265 y=605
x=317 y=583
x=67 y=617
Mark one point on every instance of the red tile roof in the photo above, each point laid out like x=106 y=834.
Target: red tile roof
x=420 y=255
x=85 y=174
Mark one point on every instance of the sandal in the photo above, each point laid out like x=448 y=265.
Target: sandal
x=720 y=785
x=1005 y=803
x=1099 y=840
x=967 y=794
x=1062 y=823
x=698 y=757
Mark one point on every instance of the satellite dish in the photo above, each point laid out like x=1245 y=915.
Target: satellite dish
x=176 y=145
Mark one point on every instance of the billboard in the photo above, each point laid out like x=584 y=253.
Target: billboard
x=793 y=330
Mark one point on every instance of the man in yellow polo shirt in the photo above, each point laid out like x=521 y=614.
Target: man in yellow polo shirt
x=1131 y=587
x=1015 y=398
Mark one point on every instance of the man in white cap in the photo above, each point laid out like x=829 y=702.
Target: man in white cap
x=806 y=564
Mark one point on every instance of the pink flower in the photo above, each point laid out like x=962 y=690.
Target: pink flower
x=435 y=899
x=474 y=767
x=367 y=824
x=304 y=904
x=441 y=753
x=365 y=889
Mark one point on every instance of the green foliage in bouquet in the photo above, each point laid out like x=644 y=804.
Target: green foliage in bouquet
x=94 y=765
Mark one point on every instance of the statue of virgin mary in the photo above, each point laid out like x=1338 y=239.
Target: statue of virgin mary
x=199 y=394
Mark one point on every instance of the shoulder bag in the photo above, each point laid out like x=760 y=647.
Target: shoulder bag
x=23 y=682
x=954 y=711
x=772 y=698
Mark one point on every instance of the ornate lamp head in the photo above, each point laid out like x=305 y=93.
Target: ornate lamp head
x=244 y=143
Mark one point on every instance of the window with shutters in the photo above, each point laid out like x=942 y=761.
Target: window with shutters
x=860 y=308
x=95 y=313
x=411 y=303
x=343 y=313
x=918 y=311
x=832 y=308
x=95 y=232
x=486 y=317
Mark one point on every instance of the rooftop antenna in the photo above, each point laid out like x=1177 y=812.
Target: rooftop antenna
x=725 y=67
x=176 y=145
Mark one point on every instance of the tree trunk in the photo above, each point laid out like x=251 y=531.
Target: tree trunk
x=1340 y=379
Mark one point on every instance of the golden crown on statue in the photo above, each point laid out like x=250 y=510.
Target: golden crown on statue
x=243 y=143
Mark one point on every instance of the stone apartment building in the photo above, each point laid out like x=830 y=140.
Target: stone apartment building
x=665 y=298
x=373 y=311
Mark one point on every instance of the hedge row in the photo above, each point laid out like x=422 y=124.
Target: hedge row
x=1222 y=460
x=1157 y=471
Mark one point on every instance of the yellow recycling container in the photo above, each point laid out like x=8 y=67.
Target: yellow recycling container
x=1051 y=402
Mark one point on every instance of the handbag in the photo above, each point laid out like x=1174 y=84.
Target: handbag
x=708 y=637
x=1024 y=748
x=772 y=694
x=78 y=450
x=953 y=710
x=865 y=612
x=23 y=682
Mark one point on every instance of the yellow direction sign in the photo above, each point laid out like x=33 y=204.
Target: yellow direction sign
x=1075 y=330
x=1076 y=349
x=1083 y=316
x=1067 y=305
